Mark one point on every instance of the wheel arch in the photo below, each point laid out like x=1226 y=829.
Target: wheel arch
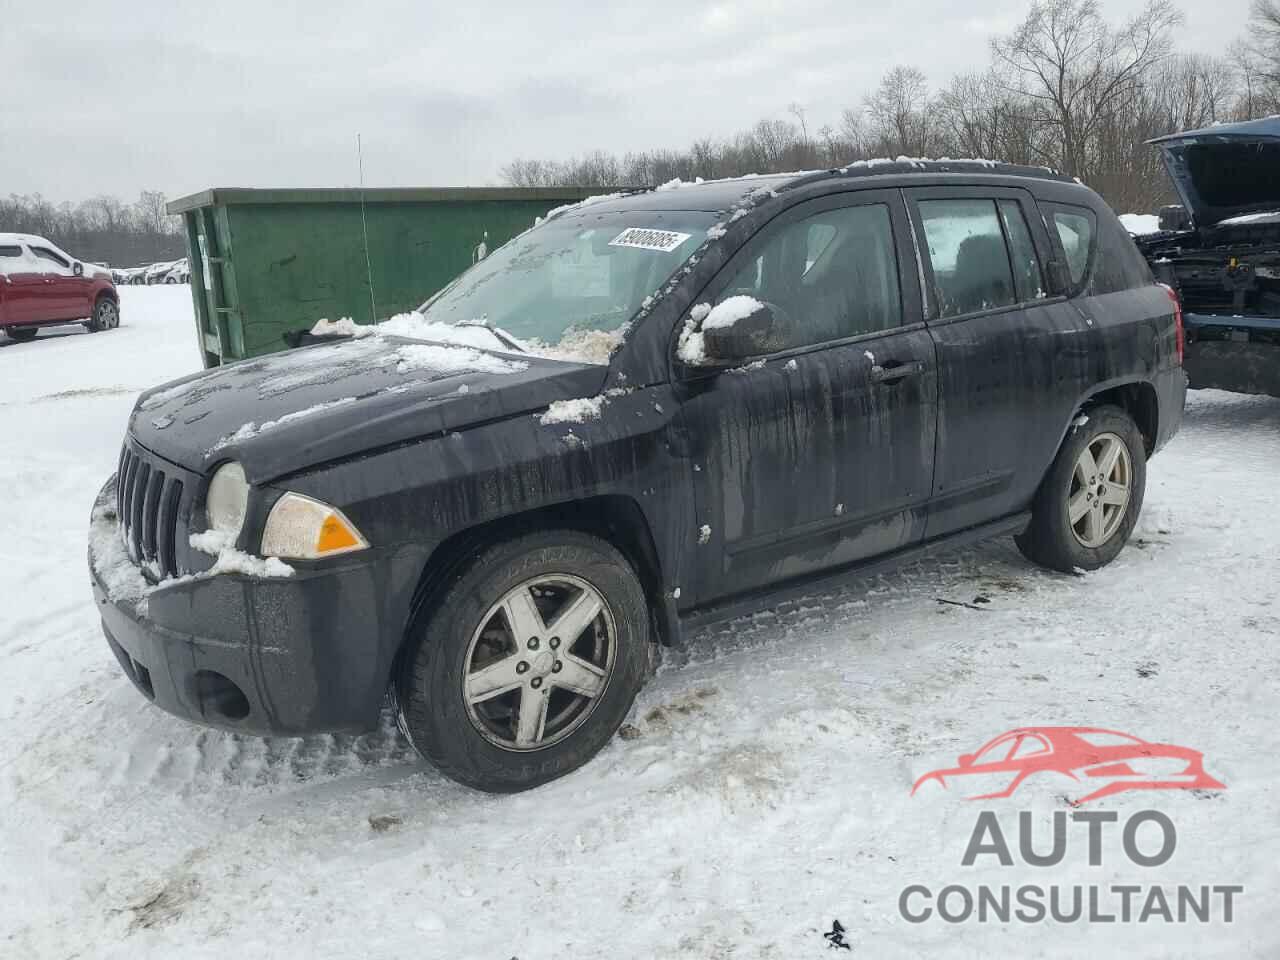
x=616 y=519
x=1137 y=398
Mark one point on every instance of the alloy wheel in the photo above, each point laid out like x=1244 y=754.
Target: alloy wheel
x=108 y=316
x=1101 y=485
x=539 y=662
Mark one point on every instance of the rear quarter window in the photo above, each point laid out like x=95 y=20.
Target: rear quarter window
x=1120 y=264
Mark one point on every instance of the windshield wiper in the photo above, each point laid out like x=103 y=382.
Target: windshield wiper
x=501 y=335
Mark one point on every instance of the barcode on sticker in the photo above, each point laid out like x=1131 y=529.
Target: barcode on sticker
x=644 y=239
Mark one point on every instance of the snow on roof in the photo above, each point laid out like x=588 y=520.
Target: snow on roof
x=24 y=238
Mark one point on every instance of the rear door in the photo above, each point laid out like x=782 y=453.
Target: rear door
x=26 y=286
x=1012 y=360
x=819 y=453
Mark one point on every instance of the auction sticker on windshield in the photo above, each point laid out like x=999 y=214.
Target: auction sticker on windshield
x=645 y=239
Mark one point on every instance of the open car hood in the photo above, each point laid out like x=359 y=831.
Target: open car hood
x=1227 y=170
x=289 y=411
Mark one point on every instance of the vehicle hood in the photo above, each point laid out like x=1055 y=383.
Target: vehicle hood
x=1225 y=171
x=290 y=411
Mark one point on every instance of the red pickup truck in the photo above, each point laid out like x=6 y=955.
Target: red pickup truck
x=42 y=285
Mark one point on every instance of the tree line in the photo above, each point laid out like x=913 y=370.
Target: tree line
x=101 y=230
x=1068 y=89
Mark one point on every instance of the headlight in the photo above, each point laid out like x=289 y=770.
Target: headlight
x=228 y=500
x=304 y=529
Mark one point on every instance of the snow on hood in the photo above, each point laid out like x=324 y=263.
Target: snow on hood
x=1268 y=216
x=289 y=411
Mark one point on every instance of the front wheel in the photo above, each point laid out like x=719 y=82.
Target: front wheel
x=106 y=316
x=525 y=666
x=1088 y=504
x=21 y=334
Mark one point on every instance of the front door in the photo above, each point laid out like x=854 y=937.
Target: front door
x=65 y=296
x=819 y=453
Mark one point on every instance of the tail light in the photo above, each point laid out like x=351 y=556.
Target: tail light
x=1179 y=333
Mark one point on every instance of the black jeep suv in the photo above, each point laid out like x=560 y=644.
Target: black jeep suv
x=653 y=410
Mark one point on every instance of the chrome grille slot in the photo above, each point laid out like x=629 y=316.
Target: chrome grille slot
x=150 y=513
x=137 y=493
x=150 y=506
x=168 y=528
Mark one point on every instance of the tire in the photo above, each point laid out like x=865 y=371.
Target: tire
x=470 y=729
x=106 y=315
x=169 y=280
x=22 y=334
x=1095 y=538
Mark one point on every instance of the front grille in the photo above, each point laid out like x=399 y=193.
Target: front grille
x=149 y=504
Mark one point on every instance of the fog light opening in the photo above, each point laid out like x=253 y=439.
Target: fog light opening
x=218 y=694
x=142 y=677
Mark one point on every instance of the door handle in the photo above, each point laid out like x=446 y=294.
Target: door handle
x=895 y=372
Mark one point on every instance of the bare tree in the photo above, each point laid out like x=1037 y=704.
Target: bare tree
x=1076 y=67
x=899 y=112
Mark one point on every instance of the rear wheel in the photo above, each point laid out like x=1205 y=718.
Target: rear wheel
x=21 y=334
x=1088 y=504
x=106 y=316
x=525 y=666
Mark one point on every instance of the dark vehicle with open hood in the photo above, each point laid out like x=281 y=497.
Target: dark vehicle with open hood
x=1225 y=263
x=649 y=412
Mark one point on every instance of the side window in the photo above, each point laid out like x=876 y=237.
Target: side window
x=967 y=250
x=44 y=253
x=830 y=276
x=1029 y=746
x=1075 y=227
x=997 y=752
x=1028 y=281
x=10 y=252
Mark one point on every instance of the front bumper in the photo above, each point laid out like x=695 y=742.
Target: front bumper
x=1244 y=363
x=311 y=653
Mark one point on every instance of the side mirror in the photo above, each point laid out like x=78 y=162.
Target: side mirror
x=737 y=328
x=966 y=759
x=78 y=268
x=1059 y=278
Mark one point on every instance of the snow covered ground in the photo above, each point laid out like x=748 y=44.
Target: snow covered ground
x=761 y=790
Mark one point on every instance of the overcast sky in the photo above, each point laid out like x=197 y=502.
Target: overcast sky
x=115 y=97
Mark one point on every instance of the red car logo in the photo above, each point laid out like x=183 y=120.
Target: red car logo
x=1103 y=762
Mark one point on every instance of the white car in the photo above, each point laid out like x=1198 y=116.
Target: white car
x=157 y=272
x=180 y=272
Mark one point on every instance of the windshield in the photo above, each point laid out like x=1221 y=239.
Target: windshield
x=567 y=288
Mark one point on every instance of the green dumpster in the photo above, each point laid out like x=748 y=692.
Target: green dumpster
x=265 y=263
